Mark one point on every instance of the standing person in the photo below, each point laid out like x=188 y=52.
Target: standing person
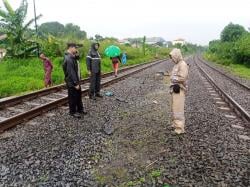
x=115 y=62
x=124 y=58
x=178 y=89
x=72 y=78
x=48 y=67
x=93 y=61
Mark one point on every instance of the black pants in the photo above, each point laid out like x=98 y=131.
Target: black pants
x=95 y=83
x=75 y=100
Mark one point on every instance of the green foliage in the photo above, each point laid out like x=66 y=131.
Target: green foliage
x=69 y=31
x=51 y=46
x=18 y=42
x=166 y=185
x=214 y=45
x=98 y=38
x=234 y=46
x=52 y=28
x=156 y=173
x=144 y=45
x=74 y=31
x=232 y=32
x=136 y=182
x=242 y=50
x=189 y=48
x=237 y=69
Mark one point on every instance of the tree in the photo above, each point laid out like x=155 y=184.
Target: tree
x=98 y=37
x=242 y=50
x=53 y=28
x=59 y=30
x=12 y=24
x=74 y=31
x=232 y=32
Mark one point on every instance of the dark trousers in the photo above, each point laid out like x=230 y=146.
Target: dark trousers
x=95 y=83
x=75 y=100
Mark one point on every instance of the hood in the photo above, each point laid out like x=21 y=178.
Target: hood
x=93 y=46
x=176 y=55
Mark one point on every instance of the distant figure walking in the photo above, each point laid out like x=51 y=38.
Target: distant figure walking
x=115 y=62
x=178 y=89
x=48 y=67
x=124 y=58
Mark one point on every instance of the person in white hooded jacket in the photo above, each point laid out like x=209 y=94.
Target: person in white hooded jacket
x=178 y=90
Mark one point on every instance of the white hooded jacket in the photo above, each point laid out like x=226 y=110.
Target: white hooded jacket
x=180 y=70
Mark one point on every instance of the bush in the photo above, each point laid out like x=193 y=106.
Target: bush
x=242 y=50
x=234 y=46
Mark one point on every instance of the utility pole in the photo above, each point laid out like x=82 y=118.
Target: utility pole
x=34 y=3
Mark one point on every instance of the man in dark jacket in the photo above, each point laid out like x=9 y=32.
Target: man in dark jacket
x=93 y=61
x=72 y=79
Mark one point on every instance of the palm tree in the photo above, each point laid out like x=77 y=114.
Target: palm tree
x=18 y=42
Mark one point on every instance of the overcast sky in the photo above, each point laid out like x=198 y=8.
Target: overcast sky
x=197 y=21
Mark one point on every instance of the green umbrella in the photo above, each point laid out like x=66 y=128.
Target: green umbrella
x=112 y=51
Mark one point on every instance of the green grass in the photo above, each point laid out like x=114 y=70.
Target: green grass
x=240 y=70
x=19 y=76
x=156 y=173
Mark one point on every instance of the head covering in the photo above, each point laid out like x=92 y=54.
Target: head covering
x=69 y=45
x=93 y=46
x=176 y=55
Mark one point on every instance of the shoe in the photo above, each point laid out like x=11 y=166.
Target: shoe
x=179 y=131
x=99 y=95
x=83 y=113
x=75 y=115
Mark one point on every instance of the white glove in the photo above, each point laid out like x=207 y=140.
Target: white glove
x=174 y=79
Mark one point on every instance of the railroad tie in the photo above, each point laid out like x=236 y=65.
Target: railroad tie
x=230 y=116
x=244 y=137
x=224 y=108
x=32 y=103
x=16 y=109
x=238 y=127
x=60 y=94
x=48 y=98
x=220 y=102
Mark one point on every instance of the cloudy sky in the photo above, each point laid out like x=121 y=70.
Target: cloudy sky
x=197 y=21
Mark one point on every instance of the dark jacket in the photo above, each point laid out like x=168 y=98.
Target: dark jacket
x=70 y=68
x=93 y=60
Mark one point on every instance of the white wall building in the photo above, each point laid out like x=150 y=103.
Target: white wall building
x=179 y=41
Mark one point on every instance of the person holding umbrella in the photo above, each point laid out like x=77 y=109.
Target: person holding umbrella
x=115 y=62
x=114 y=53
x=93 y=61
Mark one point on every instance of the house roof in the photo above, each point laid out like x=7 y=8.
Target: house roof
x=154 y=40
x=180 y=39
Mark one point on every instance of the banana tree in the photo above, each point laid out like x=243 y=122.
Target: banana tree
x=18 y=42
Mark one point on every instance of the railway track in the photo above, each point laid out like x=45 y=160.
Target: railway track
x=226 y=96
x=223 y=74
x=19 y=109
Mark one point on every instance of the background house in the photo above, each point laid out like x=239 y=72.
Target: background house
x=180 y=41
